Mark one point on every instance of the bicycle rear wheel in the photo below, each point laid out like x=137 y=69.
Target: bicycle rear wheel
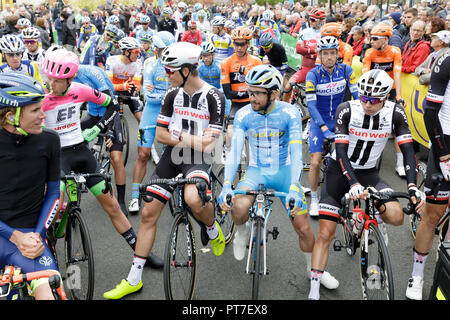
x=79 y=258
x=257 y=246
x=415 y=219
x=376 y=271
x=349 y=235
x=442 y=233
x=222 y=217
x=180 y=260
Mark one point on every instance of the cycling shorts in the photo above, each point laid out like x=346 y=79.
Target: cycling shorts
x=235 y=106
x=300 y=75
x=330 y=197
x=280 y=181
x=443 y=194
x=146 y=137
x=10 y=255
x=147 y=127
x=89 y=121
x=171 y=165
x=316 y=136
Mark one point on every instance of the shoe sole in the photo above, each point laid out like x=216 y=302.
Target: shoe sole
x=126 y=295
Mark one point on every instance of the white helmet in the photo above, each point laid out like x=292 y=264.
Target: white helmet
x=31 y=33
x=267 y=15
x=265 y=76
x=11 y=43
x=166 y=10
x=23 y=22
x=129 y=43
x=85 y=19
x=375 y=83
x=181 y=54
x=218 y=21
x=182 y=5
x=327 y=42
x=229 y=24
x=234 y=16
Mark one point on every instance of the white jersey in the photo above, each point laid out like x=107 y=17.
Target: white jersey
x=121 y=71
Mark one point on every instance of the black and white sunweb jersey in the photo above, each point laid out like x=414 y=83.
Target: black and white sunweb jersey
x=193 y=114
x=360 y=138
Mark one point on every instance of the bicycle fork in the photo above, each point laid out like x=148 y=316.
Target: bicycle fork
x=188 y=243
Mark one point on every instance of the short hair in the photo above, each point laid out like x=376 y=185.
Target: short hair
x=40 y=22
x=437 y=24
x=413 y=11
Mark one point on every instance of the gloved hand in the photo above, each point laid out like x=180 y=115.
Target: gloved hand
x=296 y=193
x=356 y=191
x=226 y=189
x=90 y=134
x=445 y=168
x=131 y=87
x=400 y=101
x=328 y=134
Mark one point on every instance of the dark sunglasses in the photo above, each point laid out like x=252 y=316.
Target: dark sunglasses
x=240 y=44
x=375 y=38
x=170 y=71
x=14 y=54
x=30 y=41
x=372 y=100
x=256 y=93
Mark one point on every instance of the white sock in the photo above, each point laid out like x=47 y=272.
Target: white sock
x=400 y=159
x=314 y=196
x=314 y=291
x=419 y=264
x=212 y=231
x=135 y=275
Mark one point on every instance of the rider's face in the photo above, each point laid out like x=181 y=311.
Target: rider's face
x=372 y=108
x=13 y=59
x=240 y=47
x=328 y=57
x=31 y=118
x=208 y=58
x=58 y=86
x=258 y=97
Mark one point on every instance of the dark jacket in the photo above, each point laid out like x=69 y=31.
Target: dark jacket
x=69 y=29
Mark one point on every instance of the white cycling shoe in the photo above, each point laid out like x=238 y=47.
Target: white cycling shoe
x=133 y=206
x=328 y=281
x=414 y=288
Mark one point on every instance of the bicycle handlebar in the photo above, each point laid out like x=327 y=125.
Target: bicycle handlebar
x=53 y=279
x=264 y=193
x=80 y=178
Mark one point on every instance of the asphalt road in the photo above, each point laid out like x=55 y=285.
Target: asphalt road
x=224 y=278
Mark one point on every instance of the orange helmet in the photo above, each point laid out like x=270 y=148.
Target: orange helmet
x=333 y=29
x=382 y=30
x=241 y=33
x=317 y=14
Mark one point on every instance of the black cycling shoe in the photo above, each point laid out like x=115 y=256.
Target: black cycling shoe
x=155 y=262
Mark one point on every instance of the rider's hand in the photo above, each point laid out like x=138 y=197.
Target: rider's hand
x=226 y=190
x=90 y=134
x=131 y=87
x=29 y=244
x=328 y=134
x=150 y=87
x=400 y=101
x=416 y=198
x=296 y=193
x=445 y=168
x=357 y=192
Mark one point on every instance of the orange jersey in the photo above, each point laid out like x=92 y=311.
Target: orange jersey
x=389 y=60
x=233 y=70
x=345 y=54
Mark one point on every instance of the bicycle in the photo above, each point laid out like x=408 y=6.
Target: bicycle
x=180 y=255
x=14 y=284
x=78 y=247
x=298 y=99
x=125 y=127
x=415 y=219
x=376 y=277
x=101 y=151
x=326 y=155
x=259 y=215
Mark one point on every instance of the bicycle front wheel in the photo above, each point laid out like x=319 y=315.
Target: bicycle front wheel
x=180 y=260
x=126 y=139
x=443 y=234
x=415 y=219
x=376 y=271
x=79 y=258
x=222 y=217
x=257 y=246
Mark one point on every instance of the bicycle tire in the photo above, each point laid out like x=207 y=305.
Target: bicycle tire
x=126 y=139
x=442 y=234
x=256 y=245
x=222 y=217
x=177 y=261
x=376 y=274
x=415 y=219
x=77 y=228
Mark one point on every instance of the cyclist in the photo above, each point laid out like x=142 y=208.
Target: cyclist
x=326 y=85
x=12 y=49
x=23 y=23
x=385 y=57
x=307 y=47
x=29 y=179
x=274 y=51
x=236 y=19
x=155 y=86
x=266 y=22
x=97 y=48
x=221 y=41
x=167 y=23
x=276 y=163
x=125 y=72
x=87 y=30
x=436 y=120
x=114 y=50
x=233 y=70
x=145 y=38
x=32 y=40
x=143 y=27
x=185 y=128
x=203 y=24
x=353 y=163
x=334 y=29
x=62 y=109
x=192 y=35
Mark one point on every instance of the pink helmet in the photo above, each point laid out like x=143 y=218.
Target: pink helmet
x=60 y=64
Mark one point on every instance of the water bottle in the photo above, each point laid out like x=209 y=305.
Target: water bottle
x=357 y=217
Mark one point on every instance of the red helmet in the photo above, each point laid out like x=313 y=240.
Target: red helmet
x=317 y=14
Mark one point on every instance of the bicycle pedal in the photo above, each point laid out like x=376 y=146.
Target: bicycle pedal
x=337 y=245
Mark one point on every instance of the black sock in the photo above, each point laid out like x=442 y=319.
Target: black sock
x=130 y=238
x=120 y=193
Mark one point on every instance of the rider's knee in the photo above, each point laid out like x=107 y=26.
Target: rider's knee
x=143 y=154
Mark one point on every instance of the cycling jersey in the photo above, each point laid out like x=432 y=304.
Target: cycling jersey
x=192 y=37
x=119 y=72
x=389 y=60
x=27 y=67
x=167 y=25
x=86 y=33
x=233 y=71
x=95 y=78
x=37 y=56
x=95 y=50
x=224 y=46
x=63 y=112
x=210 y=74
x=277 y=57
x=307 y=46
x=139 y=30
x=269 y=24
x=437 y=111
x=360 y=138
x=274 y=140
x=324 y=91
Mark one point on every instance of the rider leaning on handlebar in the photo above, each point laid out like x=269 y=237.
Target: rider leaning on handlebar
x=362 y=128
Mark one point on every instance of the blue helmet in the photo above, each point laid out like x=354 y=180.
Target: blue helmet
x=146 y=36
x=119 y=35
x=163 y=39
x=207 y=47
x=266 y=39
x=110 y=28
x=113 y=20
x=19 y=90
x=145 y=19
x=265 y=76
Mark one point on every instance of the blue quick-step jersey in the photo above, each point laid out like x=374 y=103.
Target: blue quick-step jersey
x=325 y=91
